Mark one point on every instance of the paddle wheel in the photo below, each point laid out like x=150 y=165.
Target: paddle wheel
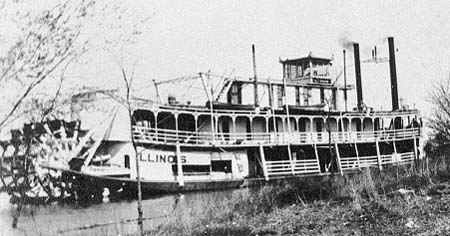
x=31 y=149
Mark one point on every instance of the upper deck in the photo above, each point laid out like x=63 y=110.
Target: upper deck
x=197 y=126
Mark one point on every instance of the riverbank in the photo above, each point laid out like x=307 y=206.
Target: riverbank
x=397 y=201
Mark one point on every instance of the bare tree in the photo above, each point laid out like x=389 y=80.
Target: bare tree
x=440 y=117
x=438 y=146
x=128 y=82
x=46 y=43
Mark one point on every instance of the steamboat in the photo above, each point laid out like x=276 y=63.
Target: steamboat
x=250 y=129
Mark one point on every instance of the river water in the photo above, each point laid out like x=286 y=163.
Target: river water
x=106 y=218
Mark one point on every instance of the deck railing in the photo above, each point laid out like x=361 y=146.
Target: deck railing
x=311 y=166
x=350 y=163
x=262 y=113
x=296 y=167
x=165 y=136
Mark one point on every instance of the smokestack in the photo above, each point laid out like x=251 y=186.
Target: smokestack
x=392 y=68
x=255 y=77
x=345 y=81
x=358 y=76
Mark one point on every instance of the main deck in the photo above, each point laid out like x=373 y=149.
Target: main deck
x=301 y=140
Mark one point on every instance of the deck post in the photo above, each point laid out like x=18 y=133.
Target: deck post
x=233 y=119
x=156 y=126
x=357 y=156
x=338 y=157
x=290 y=159
x=250 y=119
x=395 y=151
x=380 y=164
x=316 y=153
x=176 y=127
x=269 y=88
x=263 y=162
x=196 y=127
x=275 y=128
x=267 y=128
x=415 y=149
x=179 y=166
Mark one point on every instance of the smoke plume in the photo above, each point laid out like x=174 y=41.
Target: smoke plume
x=345 y=41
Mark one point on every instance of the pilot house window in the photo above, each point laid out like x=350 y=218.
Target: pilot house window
x=234 y=95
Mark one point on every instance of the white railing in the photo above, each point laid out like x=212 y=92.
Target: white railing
x=397 y=158
x=252 y=112
x=367 y=161
x=165 y=136
x=351 y=163
x=296 y=167
x=311 y=166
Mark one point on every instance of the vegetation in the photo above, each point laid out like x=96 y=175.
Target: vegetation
x=438 y=145
x=396 y=201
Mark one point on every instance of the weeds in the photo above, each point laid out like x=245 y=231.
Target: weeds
x=399 y=200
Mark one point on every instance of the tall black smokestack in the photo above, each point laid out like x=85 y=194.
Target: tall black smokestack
x=358 y=76
x=393 y=70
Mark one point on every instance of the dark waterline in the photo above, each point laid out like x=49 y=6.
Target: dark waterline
x=113 y=217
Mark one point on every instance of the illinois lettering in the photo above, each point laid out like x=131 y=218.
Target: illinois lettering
x=160 y=158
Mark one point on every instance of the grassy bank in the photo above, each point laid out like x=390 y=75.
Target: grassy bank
x=397 y=201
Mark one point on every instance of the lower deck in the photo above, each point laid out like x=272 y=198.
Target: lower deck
x=269 y=162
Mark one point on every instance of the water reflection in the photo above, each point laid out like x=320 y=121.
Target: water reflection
x=118 y=216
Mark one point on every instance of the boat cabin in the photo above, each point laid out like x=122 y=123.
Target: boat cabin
x=307 y=69
x=306 y=83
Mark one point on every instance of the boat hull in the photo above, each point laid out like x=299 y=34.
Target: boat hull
x=86 y=184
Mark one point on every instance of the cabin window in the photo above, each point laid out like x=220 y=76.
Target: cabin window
x=280 y=96
x=126 y=159
x=248 y=129
x=319 y=126
x=297 y=96
x=234 y=95
x=272 y=125
x=288 y=70
x=299 y=71
x=293 y=71
x=314 y=70
x=307 y=95
x=358 y=125
x=166 y=120
x=322 y=95
x=221 y=166
x=304 y=69
x=186 y=122
x=302 y=125
x=192 y=169
x=226 y=129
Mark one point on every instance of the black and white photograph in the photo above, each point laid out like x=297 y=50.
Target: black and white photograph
x=290 y=117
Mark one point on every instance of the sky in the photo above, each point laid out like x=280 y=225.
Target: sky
x=186 y=37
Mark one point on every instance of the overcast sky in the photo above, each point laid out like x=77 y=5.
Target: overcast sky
x=186 y=37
